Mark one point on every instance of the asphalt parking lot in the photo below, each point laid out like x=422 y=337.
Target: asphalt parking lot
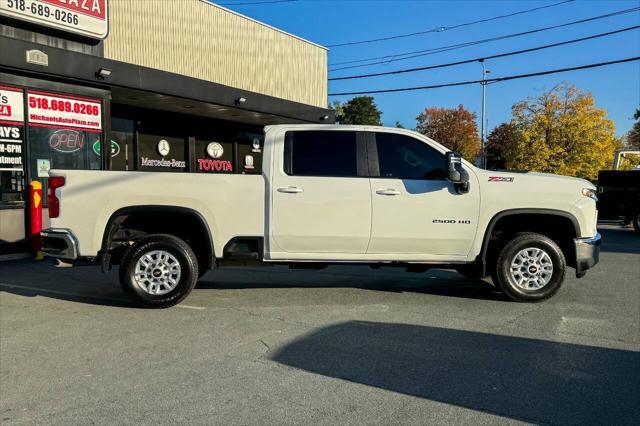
x=336 y=346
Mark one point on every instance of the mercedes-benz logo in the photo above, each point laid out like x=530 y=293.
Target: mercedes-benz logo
x=215 y=150
x=163 y=147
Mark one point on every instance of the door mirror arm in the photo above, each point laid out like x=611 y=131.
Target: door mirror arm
x=455 y=173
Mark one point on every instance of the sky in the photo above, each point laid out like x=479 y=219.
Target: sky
x=615 y=88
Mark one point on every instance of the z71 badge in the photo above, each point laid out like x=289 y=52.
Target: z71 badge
x=500 y=179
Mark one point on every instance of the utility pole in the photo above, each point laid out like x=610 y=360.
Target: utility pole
x=483 y=147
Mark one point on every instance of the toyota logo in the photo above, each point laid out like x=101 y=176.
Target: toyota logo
x=215 y=150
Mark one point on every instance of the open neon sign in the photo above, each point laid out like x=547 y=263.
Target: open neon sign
x=66 y=141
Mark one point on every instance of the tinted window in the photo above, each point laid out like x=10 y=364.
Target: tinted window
x=161 y=153
x=321 y=153
x=250 y=147
x=122 y=137
x=404 y=157
x=62 y=148
x=213 y=155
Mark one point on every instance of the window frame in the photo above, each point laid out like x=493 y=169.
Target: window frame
x=362 y=166
x=374 y=162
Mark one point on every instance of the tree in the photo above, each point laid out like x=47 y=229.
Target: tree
x=359 y=110
x=399 y=125
x=629 y=162
x=561 y=131
x=454 y=128
x=337 y=108
x=499 y=138
x=633 y=137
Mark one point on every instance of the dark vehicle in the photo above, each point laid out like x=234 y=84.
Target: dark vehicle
x=619 y=193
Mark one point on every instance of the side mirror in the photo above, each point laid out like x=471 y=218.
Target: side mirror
x=455 y=173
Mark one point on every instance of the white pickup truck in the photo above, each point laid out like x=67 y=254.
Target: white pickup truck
x=327 y=194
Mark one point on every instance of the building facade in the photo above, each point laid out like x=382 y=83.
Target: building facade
x=166 y=86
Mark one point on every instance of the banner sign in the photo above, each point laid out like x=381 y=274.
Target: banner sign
x=54 y=110
x=11 y=128
x=11 y=148
x=88 y=18
x=11 y=104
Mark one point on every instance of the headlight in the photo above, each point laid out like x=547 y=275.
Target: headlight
x=591 y=193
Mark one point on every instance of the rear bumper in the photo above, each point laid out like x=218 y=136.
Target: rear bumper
x=59 y=243
x=587 y=253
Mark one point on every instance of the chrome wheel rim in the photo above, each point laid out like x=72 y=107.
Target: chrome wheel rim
x=157 y=272
x=531 y=268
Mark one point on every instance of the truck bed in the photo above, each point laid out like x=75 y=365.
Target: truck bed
x=90 y=197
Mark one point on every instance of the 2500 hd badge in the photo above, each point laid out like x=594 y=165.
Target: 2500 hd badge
x=459 y=221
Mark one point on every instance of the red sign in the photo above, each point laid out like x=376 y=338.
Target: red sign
x=11 y=104
x=214 y=165
x=54 y=110
x=95 y=8
x=88 y=18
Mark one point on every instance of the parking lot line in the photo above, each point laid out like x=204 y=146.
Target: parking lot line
x=198 y=308
x=61 y=293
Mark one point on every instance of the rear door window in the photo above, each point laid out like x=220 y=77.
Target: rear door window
x=321 y=153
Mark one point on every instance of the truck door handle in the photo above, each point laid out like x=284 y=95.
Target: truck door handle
x=388 y=191
x=290 y=189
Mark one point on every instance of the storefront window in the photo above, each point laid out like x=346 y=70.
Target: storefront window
x=56 y=148
x=122 y=139
x=12 y=188
x=213 y=156
x=12 y=184
x=250 y=147
x=161 y=153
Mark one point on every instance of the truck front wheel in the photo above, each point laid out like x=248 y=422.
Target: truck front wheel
x=158 y=271
x=531 y=267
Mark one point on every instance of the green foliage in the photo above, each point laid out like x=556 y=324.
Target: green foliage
x=633 y=137
x=454 y=128
x=629 y=162
x=561 y=131
x=359 y=110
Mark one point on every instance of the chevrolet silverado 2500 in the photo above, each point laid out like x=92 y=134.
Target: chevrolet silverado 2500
x=327 y=194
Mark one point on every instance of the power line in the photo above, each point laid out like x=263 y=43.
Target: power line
x=499 y=55
x=417 y=53
x=446 y=28
x=490 y=80
x=255 y=2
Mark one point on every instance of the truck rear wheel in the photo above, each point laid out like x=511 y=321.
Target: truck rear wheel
x=530 y=268
x=158 y=271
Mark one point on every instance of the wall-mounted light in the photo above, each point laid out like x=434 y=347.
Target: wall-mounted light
x=241 y=100
x=103 y=73
x=324 y=117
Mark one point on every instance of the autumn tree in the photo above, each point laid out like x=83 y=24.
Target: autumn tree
x=561 y=131
x=454 y=128
x=358 y=110
x=499 y=138
x=633 y=137
x=629 y=162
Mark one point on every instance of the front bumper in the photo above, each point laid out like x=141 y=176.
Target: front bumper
x=587 y=253
x=60 y=243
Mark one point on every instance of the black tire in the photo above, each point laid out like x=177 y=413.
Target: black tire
x=188 y=266
x=636 y=222
x=507 y=283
